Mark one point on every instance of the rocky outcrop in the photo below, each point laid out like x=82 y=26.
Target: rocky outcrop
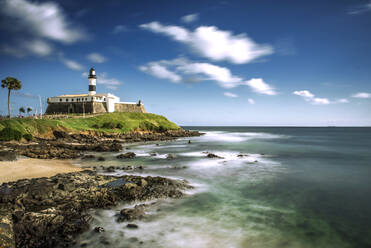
x=126 y=155
x=8 y=155
x=50 y=212
x=72 y=145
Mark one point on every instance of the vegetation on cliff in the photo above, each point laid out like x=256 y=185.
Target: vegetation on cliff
x=17 y=128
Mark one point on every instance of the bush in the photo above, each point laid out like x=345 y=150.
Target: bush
x=96 y=126
x=8 y=134
x=109 y=125
x=28 y=136
x=119 y=126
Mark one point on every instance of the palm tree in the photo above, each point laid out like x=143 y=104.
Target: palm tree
x=29 y=109
x=22 y=110
x=11 y=84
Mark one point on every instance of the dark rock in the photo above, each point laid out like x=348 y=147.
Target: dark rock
x=99 y=229
x=212 y=155
x=153 y=154
x=242 y=155
x=110 y=169
x=132 y=226
x=101 y=159
x=130 y=214
x=60 y=134
x=49 y=212
x=90 y=156
x=189 y=142
x=8 y=155
x=170 y=156
x=126 y=155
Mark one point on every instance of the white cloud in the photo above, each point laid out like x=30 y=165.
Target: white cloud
x=110 y=83
x=157 y=70
x=96 y=58
x=70 y=63
x=309 y=97
x=212 y=43
x=304 y=93
x=38 y=24
x=229 y=94
x=29 y=47
x=343 y=100
x=360 y=9
x=119 y=29
x=221 y=75
x=320 y=101
x=259 y=86
x=362 y=95
x=190 y=18
x=180 y=69
x=251 y=101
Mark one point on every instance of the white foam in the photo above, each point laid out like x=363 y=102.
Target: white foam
x=218 y=136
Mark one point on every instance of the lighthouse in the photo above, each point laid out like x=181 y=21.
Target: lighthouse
x=92 y=82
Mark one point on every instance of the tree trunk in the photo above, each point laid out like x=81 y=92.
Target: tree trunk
x=9 y=103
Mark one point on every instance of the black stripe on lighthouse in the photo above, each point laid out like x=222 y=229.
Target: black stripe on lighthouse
x=92 y=88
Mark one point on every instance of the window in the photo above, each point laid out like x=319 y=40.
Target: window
x=60 y=99
x=72 y=100
x=66 y=100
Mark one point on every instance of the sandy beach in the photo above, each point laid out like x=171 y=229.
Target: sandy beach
x=33 y=168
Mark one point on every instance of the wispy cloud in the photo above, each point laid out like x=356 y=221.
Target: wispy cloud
x=360 y=9
x=309 y=97
x=212 y=43
x=343 y=100
x=159 y=70
x=119 y=29
x=231 y=95
x=261 y=87
x=362 y=95
x=190 y=18
x=180 y=70
x=38 y=23
x=73 y=65
x=96 y=58
x=110 y=83
x=251 y=101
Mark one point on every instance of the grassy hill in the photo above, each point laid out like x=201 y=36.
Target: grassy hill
x=15 y=129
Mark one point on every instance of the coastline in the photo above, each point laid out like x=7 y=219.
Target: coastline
x=27 y=168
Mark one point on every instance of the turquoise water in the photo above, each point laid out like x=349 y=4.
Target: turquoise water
x=298 y=187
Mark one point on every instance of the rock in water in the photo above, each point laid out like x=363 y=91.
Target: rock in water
x=212 y=155
x=170 y=156
x=99 y=229
x=132 y=226
x=130 y=214
x=126 y=155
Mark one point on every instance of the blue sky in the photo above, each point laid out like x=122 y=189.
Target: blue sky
x=303 y=63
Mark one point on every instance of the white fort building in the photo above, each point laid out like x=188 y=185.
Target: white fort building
x=91 y=102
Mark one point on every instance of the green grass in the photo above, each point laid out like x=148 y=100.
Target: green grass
x=109 y=123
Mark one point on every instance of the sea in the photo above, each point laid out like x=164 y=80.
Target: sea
x=298 y=187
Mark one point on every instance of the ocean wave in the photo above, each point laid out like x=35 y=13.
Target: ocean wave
x=219 y=136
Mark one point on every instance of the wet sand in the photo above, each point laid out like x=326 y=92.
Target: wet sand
x=33 y=168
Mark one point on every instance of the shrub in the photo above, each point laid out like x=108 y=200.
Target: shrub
x=109 y=125
x=28 y=136
x=96 y=126
x=119 y=126
x=8 y=134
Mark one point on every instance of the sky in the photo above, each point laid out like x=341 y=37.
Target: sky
x=209 y=62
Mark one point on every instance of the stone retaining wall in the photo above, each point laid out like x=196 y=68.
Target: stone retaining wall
x=123 y=107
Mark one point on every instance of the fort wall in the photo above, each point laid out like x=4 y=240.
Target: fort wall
x=124 y=107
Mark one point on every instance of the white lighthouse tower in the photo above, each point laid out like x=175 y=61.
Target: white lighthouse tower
x=92 y=82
